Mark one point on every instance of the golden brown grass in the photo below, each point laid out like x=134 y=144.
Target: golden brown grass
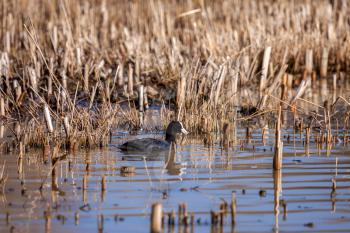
x=83 y=58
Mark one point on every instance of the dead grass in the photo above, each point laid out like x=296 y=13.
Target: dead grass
x=209 y=58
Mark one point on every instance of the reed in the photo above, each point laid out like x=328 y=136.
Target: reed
x=89 y=65
x=156 y=218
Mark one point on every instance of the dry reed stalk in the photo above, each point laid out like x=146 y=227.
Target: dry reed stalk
x=137 y=72
x=68 y=48
x=308 y=62
x=86 y=77
x=264 y=69
x=2 y=132
x=121 y=75
x=307 y=135
x=222 y=76
x=233 y=208
x=33 y=79
x=92 y=96
x=146 y=104
x=141 y=104
x=334 y=87
x=130 y=80
x=156 y=218
x=278 y=154
x=48 y=119
x=307 y=76
x=2 y=106
x=324 y=63
x=300 y=91
x=181 y=91
x=66 y=125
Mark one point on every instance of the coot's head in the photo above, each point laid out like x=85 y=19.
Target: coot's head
x=174 y=128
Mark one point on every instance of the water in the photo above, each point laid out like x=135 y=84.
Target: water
x=197 y=175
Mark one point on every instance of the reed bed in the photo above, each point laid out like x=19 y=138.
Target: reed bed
x=68 y=67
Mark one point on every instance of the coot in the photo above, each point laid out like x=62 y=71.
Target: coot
x=152 y=144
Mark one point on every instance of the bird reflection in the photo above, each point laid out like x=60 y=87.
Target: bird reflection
x=171 y=166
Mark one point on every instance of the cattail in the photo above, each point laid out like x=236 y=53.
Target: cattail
x=156 y=218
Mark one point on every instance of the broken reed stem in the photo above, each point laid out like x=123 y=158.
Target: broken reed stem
x=277 y=159
x=156 y=218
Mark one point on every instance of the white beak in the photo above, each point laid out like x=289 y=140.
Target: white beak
x=184 y=131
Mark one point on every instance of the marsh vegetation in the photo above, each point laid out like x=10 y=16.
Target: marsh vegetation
x=263 y=87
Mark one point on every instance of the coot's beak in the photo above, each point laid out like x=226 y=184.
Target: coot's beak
x=184 y=131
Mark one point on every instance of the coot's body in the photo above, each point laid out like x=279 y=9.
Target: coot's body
x=154 y=145
x=145 y=144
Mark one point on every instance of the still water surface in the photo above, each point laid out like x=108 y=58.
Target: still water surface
x=197 y=175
